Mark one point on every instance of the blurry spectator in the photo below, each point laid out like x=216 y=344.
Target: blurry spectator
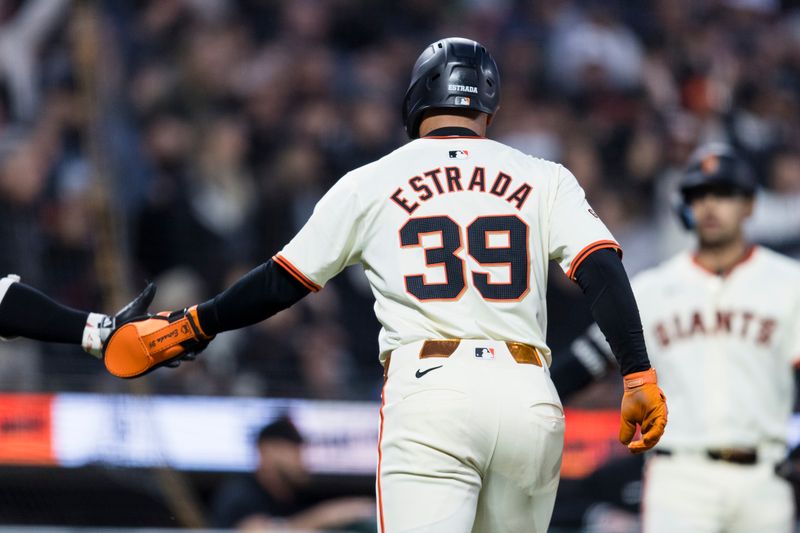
x=325 y=361
x=776 y=220
x=22 y=183
x=278 y=495
x=223 y=194
x=290 y=187
x=303 y=351
x=595 y=52
x=22 y=33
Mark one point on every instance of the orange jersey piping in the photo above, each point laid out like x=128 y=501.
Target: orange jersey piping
x=296 y=273
x=584 y=253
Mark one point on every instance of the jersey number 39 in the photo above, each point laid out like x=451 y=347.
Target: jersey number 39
x=514 y=256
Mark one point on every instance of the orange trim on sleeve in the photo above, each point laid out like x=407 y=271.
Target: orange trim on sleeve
x=295 y=273
x=584 y=253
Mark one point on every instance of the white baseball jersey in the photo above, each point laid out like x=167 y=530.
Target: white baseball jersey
x=724 y=348
x=455 y=234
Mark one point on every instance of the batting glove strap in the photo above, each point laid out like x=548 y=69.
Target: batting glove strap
x=99 y=326
x=637 y=379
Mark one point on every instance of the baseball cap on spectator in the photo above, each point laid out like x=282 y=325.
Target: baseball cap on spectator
x=282 y=428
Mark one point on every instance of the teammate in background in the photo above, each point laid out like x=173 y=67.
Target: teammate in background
x=455 y=232
x=26 y=312
x=723 y=326
x=276 y=496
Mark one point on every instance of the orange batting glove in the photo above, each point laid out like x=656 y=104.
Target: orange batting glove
x=144 y=344
x=643 y=403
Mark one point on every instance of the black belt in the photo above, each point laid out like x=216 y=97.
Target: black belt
x=739 y=456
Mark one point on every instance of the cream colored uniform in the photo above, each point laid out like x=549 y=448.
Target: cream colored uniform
x=725 y=347
x=455 y=234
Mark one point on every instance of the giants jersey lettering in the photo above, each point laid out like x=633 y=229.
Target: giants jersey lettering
x=724 y=348
x=455 y=234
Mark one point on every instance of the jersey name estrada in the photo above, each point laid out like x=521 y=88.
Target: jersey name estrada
x=455 y=234
x=724 y=347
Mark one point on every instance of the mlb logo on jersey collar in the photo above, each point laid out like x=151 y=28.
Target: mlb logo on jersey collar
x=458 y=154
x=484 y=353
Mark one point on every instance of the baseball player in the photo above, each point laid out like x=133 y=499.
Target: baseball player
x=723 y=326
x=26 y=312
x=455 y=232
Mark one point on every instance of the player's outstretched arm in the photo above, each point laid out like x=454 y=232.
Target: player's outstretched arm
x=603 y=280
x=27 y=312
x=140 y=346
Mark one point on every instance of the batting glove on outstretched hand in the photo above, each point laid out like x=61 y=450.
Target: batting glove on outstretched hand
x=146 y=343
x=643 y=403
x=99 y=326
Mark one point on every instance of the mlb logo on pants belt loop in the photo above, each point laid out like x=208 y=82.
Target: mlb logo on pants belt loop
x=484 y=353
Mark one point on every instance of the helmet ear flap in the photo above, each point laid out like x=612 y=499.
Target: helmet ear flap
x=683 y=210
x=685 y=215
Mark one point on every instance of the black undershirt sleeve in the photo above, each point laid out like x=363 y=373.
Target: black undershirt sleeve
x=26 y=312
x=259 y=294
x=603 y=280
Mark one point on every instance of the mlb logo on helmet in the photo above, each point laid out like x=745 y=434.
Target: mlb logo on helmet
x=458 y=154
x=484 y=353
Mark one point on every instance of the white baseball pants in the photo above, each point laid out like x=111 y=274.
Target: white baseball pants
x=473 y=445
x=690 y=492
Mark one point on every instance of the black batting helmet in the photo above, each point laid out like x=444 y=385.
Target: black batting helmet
x=714 y=165
x=452 y=73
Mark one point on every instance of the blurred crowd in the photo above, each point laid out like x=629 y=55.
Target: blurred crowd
x=188 y=140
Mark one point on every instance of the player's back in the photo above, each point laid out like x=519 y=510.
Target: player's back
x=457 y=234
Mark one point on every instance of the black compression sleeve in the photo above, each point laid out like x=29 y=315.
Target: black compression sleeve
x=604 y=281
x=258 y=295
x=26 y=312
